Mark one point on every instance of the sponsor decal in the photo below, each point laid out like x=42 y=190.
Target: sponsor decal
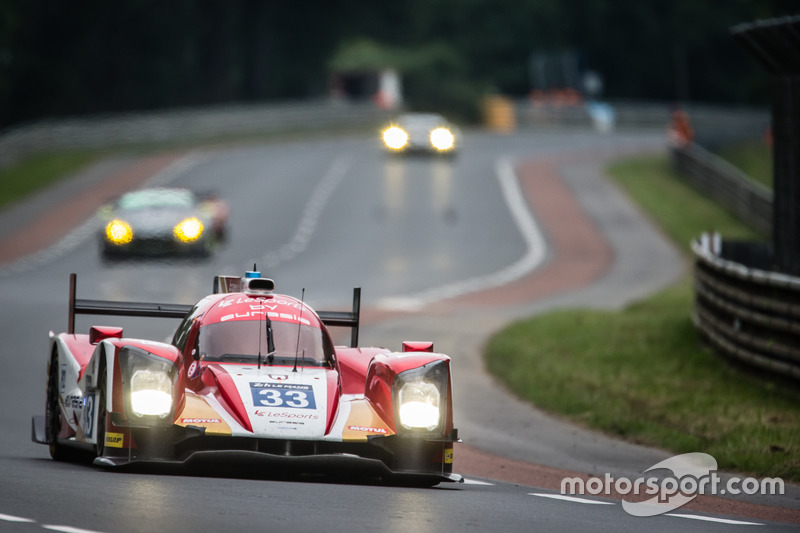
x=74 y=401
x=278 y=377
x=255 y=303
x=201 y=421
x=88 y=417
x=62 y=385
x=284 y=395
x=194 y=370
x=448 y=456
x=261 y=314
x=258 y=309
x=289 y=422
x=366 y=429
x=286 y=416
x=114 y=440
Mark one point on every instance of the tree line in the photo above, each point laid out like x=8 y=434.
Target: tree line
x=65 y=58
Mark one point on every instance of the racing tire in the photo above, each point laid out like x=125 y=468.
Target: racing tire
x=102 y=414
x=52 y=414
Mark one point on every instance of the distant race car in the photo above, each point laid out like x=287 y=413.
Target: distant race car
x=250 y=375
x=162 y=221
x=421 y=132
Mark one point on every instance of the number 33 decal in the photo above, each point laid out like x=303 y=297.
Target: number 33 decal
x=283 y=398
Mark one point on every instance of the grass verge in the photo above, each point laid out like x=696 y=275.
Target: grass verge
x=641 y=373
x=34 y=173
x=754 y=158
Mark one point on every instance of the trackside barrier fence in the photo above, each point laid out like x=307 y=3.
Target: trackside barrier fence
x=184 y=125
x=209 y=122
x=713 y=125
x=743 y=310
x=725 y=184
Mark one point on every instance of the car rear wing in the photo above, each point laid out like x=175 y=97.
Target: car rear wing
x=347 y=319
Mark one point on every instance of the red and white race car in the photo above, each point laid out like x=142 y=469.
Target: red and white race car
x=250 y=376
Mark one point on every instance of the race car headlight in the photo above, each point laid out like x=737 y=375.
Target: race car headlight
x=119 y=232
x=151 y=393
x=420 y=398
x=189 y=229
x=442 y=139
x=148 y=383
x=419 y=405
x=395 y=138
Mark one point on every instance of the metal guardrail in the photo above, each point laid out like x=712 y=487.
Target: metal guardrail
x=189 y=124
x=747 y=314
x=725 y=184
x=712 y=124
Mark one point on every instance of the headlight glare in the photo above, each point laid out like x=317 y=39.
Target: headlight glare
x=119 y=232
x=419 y=405
x=442 y=139
x=395 y=138
x=151 y=393
x=189 y=229
x=148 y=385
x=420 y=396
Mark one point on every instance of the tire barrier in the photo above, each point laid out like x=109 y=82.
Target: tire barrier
x=746 y=312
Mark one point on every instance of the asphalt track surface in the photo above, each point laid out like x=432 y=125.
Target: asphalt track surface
x=447 y=251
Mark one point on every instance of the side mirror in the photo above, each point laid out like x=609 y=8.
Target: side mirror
x=98 y=333
x=412 y=346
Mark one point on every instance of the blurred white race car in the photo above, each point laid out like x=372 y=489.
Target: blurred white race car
x=421 y=132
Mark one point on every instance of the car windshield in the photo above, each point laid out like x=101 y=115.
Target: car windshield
x=156 y=198
x=421 y=121
x=239 y=341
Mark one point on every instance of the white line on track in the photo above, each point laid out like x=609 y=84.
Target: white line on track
x=534 y=255
x=62 y=529
x=311 y=214
x=570 y=498
x=676 y=515
x=69 y=529
x=80 y=234
x=714 y=519
x=11 y=518
x=468 y=481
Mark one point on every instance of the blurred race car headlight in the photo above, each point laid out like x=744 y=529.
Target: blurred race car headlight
x=420 y=398
x=148 y=383
x=189 y=229
x=442 y=139
x=395 y=138
x=119 y=232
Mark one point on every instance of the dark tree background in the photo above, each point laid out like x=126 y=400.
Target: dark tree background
x=73 y=57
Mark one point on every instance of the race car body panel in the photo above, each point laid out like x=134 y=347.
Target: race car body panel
x=246 y=371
